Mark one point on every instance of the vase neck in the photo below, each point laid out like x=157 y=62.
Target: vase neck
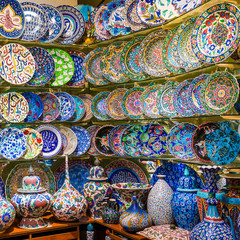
x=67 y=182
x=212 y=213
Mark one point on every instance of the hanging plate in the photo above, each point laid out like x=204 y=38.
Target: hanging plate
x=185 y=6
x=79 y=110
x=91 y=131
x=167 y=9
x=87 y=100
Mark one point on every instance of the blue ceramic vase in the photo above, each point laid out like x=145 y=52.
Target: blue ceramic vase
x=184 y=203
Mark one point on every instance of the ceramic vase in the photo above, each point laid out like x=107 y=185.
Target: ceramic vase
x=210 y=174
x=96 y=189
x=110 y=212
x=135 y=219
x=31 y=202
x=68 y=203
x=184 y=203
x=159 y=202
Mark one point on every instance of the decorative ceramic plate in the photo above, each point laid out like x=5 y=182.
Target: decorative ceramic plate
x=153 y=138
x=64 y=67
x=55 y=23
x=91 y=131
x=69 y=140
x=173 y=172
x=182 y=100
x=68 y=106
x=13 y=143
x=91 y=67
x=130 y=141
x=84 y=11
x=179 y=141
x=14 y=179
x=35 y=106
x=150 y=54
x=198 y=140
x=149 y=99
x=220 y=92
x=167 y=9
x=17 y=57
x=216 y=34
x=87 y=100
x=123 y=171
x=2 y=188
x=114 y=139
x=52 y=140
x=36 y=21
x=98 y=106
x=185 y=6
x=149 y=13
x=114 y=104
x=79 y=110
x=12 y=19
x=130 y=61
x=110 y=63
x=51 y=107
x=78 y=78
x=165 y=100
x=132 y=103
x=14 y=107
x=100 y=140
x=74 y=24
x=34 y=143
x=45 y=67
x=78 y=173
x=83 y=140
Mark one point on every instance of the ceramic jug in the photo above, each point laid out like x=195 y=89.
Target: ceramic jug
x=110 y=213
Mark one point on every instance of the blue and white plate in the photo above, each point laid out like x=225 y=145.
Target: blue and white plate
x=79 y=111
x=74 y=24
x=83 y=140
x=12 y=21
x=52 y=140
x=36 y=21
x=68 y=106
x=35 y=106
x=44 y=66
x=13 y=143
x=55 y=23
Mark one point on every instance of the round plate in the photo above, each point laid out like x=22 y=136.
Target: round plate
x=16 y=56
x=114 y=140
x=182 y=100
x=79 y=110
x=149 y=101
x=2 y=188
x=84 y=11
x=98 y=106
x=91 y=131
x=149 y=13
x=130 y=61
x=123 y=171
x=220 y=92
x=14 y=107
x=13 y=143
x=110 y=63
x=34 y=143
x=91 y=67
x=55 y=23
x=83 y=140
x=78 y=77
x=36 y=21
x=150 y=54
x=132 y=104
x=35 y=106
x=12 y=19
x=100 y=140
x=52 y=140
x=87 y=100
x=198 y=140
x=220 y=27
x=114 y=104
x=51 y=107
x=184 y=6
x=129 y=141
x=68 y=106
x=74 y=24
x=69 y=140
x=179 y=141
x=45 y=67
x=167 y=9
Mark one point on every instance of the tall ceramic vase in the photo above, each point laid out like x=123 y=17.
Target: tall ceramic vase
x=68 y=203
x=210 y=174
x=159 y=202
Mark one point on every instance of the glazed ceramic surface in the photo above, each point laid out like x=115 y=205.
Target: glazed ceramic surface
x=91 y=131
x=2 y=188
x=69 y=140
x=184 y=6
x=110 y=212
x=167 y=9
x=87 y=100
x=79 y=110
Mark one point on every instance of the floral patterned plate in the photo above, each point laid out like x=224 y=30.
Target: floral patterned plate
x=87 y=100
x=167 y=9
x=185 y=6
x=91 y=131
x=79 y=110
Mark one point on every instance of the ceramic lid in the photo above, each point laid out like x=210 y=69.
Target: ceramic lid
x=97 y=172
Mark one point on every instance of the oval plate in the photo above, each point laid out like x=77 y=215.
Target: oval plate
x=79 y=110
